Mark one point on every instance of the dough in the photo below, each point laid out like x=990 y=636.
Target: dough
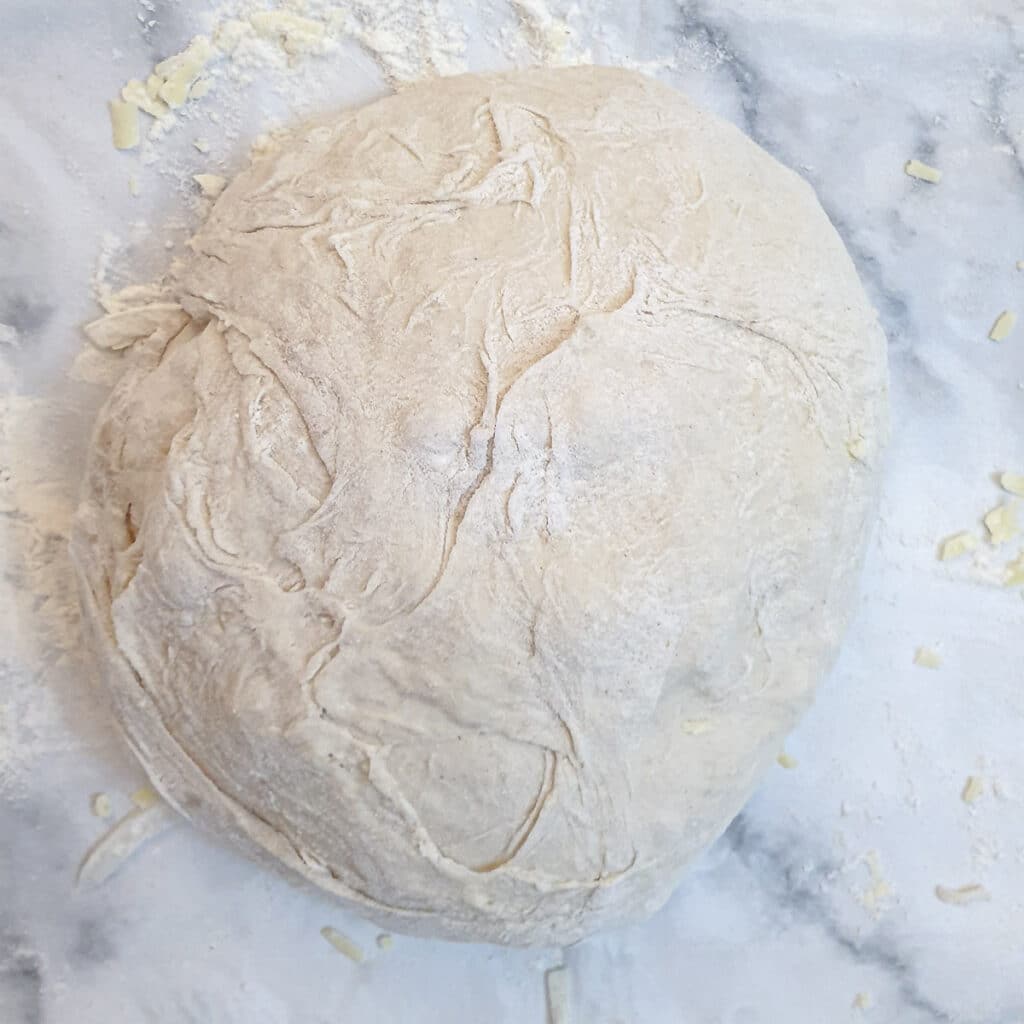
x=486 y=499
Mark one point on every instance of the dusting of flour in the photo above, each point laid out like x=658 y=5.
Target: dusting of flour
x=284 y=50
x=39 y=626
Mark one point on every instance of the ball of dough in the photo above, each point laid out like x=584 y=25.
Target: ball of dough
x=486 y=499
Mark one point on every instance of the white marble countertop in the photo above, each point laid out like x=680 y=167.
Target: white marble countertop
x=818 y=904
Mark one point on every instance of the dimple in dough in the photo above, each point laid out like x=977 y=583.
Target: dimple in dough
x=491 y=435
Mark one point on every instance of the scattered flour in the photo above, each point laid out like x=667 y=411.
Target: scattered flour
x=39 y=624
x=548 y=39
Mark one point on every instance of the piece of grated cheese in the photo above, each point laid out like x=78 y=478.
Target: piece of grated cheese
x=1012 y=483
x=100 y=805
x=342 y=943
x=145 y=796
x=922 y=172
x=927 y=658
x=857 y=448
x=957 y=545
x=113 y=848
x=696 y=726
x=181 y=70
x=200 y=87
x=1001 y=523
x=974 y=787
x=124 y=124
x=1003 y=325
x=1015 y=572
x=965 y=894
x=137 y=92
x=296 y=34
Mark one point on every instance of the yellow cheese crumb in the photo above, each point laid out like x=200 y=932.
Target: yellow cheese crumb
x=107 y=854
x=203 y=145
x=297 y=34
x=696 y=726
x=1001 y=523
x=342 y=943
x=1003 y=325
x=973 y=789
x=138 y=93
x=973 y=893
x=384 y=942
x=922 y=172
x=874 y=897
x=124 y=124
x=211 y=184
x=181 y=70
x=145 y=797
x=133 y=185
x=1020 y=264
x=200 y=88
x=857 y=448
x=1013 y=483
x=786 y=761
x=1015 y=572
x=927 y=658
x=957 y=545
x=862 y=1001
x=100 y=805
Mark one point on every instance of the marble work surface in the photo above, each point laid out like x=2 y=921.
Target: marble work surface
x=818 y=904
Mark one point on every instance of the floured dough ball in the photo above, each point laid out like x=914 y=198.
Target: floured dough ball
x=486 y=499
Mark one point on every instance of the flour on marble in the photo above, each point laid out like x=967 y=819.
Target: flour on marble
x=39 y=622
x=547 y=37
x=246 y=39
x=8 y=336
